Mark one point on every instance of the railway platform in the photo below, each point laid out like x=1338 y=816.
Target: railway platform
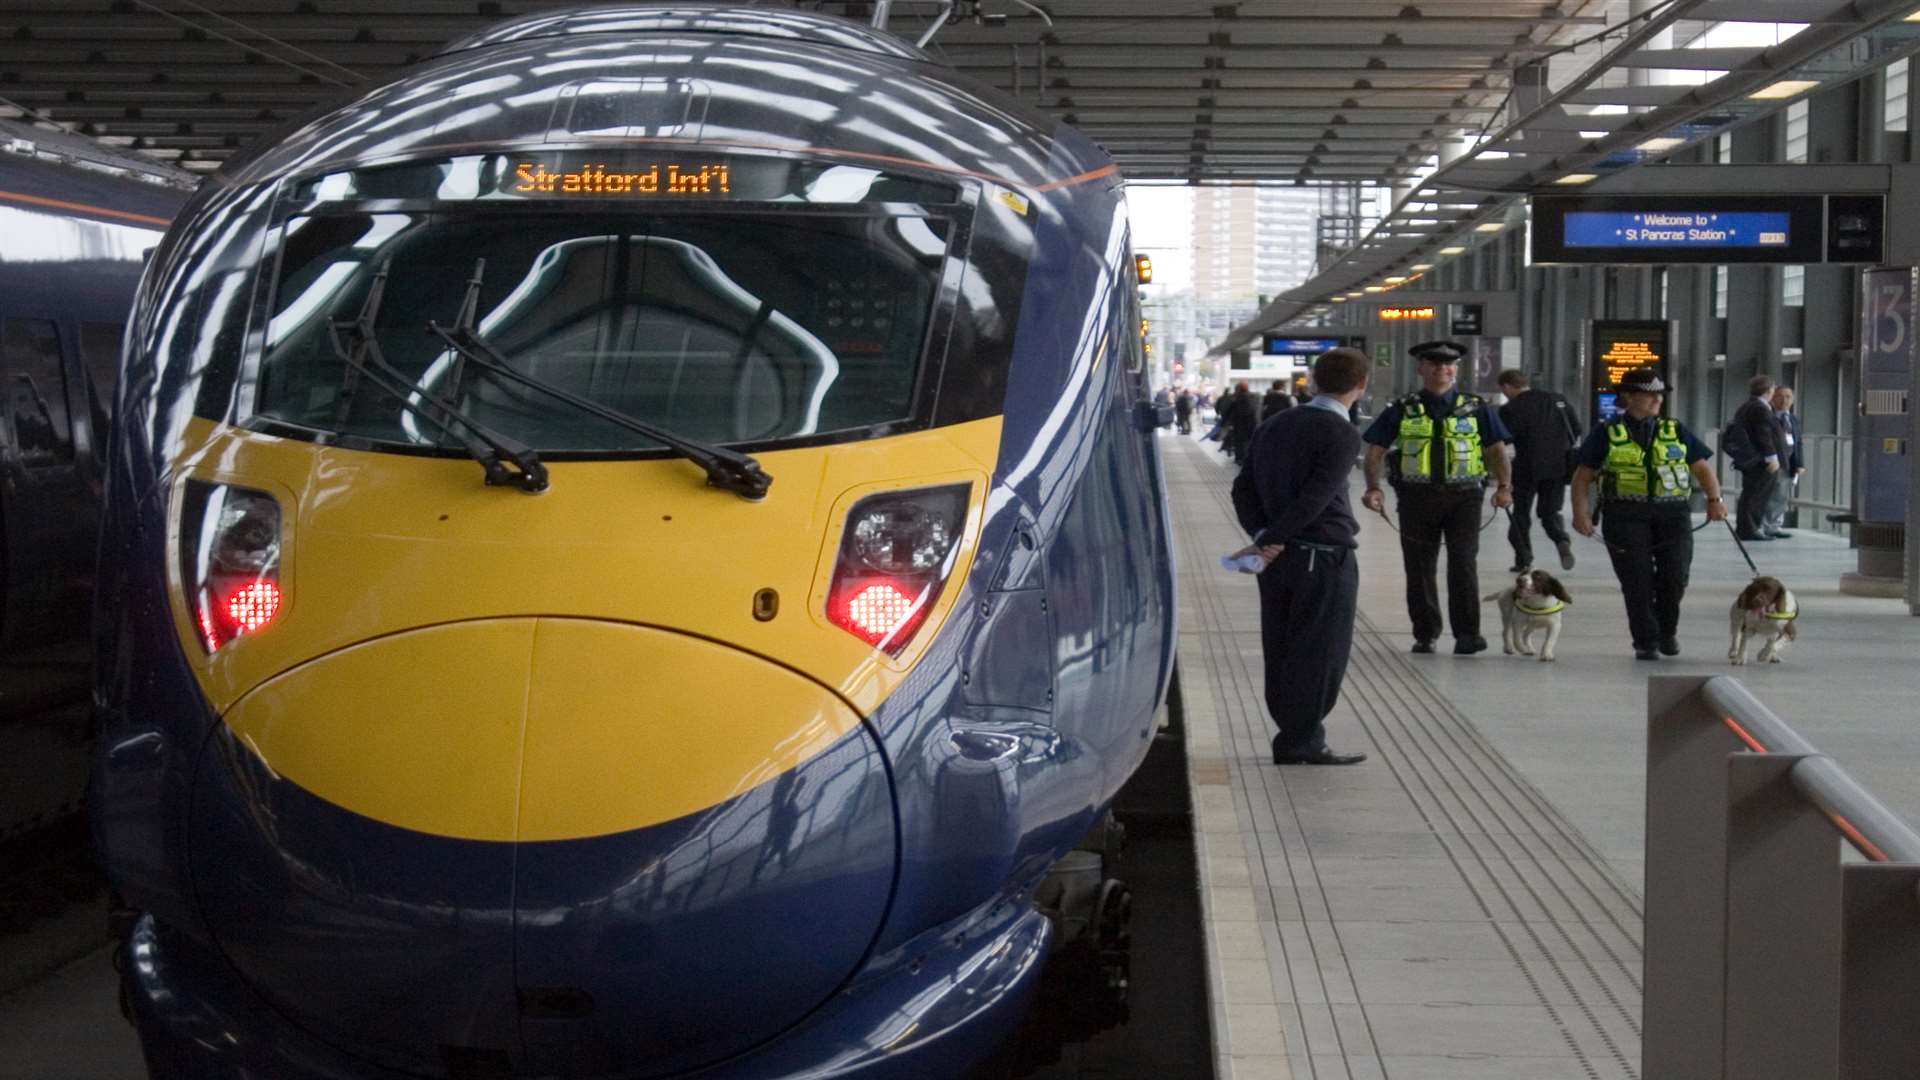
x=1467 y=903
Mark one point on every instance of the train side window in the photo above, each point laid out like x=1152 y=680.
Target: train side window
x=100 y=353
x=35 y=389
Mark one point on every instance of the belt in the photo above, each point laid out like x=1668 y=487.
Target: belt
x=1324 y=549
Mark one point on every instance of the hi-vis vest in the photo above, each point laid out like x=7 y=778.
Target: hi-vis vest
x=1629 y=474
x=1462 y=459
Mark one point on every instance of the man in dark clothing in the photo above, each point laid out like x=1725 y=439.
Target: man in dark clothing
x=1292 y=498
x=1183 y=411
x=1544 y=434
x=1239 y=415
x=1446 y=444
x=1647 y=466
x=1275 y=399
x=1757 y=477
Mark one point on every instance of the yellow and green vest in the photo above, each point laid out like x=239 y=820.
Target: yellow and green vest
x=1463 y=459
x=1638 y=474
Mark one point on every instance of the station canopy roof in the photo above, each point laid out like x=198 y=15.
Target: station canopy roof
x=1363 y=90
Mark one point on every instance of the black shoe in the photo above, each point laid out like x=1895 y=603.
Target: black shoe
x=1520 y=566
x=1779 y=534
x=1319 y=757
x=1645 y=654
x=1467 y=646
x=1566 y=554
x=1422 y=646
x=1669 y=646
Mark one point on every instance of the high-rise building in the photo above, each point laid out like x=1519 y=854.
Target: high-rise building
x=1252 y=240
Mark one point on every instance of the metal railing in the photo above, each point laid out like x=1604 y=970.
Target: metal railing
x=1826 y=489
x=1768 y=956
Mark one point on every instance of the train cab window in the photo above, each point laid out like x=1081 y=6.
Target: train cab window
x=737 y=326
x=100 y=352
x=35 y=388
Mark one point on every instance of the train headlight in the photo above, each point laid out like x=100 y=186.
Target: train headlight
x=895 y=556
x=229 y=559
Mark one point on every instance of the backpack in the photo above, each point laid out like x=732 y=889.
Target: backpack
x=1738 y=445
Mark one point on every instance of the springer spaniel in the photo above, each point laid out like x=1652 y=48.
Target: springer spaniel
x=1765 y=610
x=1533 y=604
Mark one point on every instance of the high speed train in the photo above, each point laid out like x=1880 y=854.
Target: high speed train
x=634 y=550
x=75 y=223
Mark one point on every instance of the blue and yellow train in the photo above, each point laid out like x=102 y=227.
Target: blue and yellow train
x=633 y=550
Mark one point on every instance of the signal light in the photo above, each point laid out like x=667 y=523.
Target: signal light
x=895 y=555
x=229 y=560
x=1179 y=367
x=1143 y=264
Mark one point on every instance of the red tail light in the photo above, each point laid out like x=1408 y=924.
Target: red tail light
x=895 y=556
x=229 y=560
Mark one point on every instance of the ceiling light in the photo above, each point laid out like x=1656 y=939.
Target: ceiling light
x=1395 y=279
x=1375 y=288
x=1578 y=178
x=1421 y=266
x=1662 y=144
x=1453 y=251
x=1595 y=134
x=1785 y=88
x=1915 y=17
x=1491 y=226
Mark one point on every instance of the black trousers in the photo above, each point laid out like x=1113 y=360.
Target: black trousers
x=1429 y=515
x=1750 y=515
x=1552 y=495
x=1307 y=599
x=1652 y=550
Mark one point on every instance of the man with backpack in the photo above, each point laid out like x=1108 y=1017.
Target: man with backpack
x=1544 y=435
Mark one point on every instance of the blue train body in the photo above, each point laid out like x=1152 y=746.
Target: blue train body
x=636 y=775
x=71 y=240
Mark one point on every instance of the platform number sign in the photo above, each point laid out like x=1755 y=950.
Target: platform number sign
x=1886 y=376
x=1888 y=330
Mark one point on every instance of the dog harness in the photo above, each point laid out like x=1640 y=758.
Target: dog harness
x=1633 y=473
x=1463 y=462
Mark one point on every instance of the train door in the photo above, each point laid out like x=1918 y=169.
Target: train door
x=47 y=518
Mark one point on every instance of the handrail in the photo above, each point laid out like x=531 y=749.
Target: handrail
x=1768 y=956
x=1874 y=831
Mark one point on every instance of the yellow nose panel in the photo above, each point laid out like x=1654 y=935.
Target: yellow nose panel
x=630 y=726
x=421 y=730
x=536 y=729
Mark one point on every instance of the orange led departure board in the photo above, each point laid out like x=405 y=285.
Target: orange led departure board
x=534 y=178
x=1395 y=314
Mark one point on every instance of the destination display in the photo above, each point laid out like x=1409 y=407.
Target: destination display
x=1401 y=314
x=1707 y=228
x=1682 y=228
x=1617 y=346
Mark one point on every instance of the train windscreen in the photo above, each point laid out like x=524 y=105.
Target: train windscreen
x=726 y=321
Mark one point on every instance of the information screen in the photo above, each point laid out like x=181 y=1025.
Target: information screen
x=1299 y=346
x=1678 y=228
x=1655 y=229
x=1617 y=346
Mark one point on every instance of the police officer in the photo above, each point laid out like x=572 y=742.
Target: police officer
x=1647 y=466
x=1445 y=443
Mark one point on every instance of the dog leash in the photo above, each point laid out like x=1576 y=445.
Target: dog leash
x=1743 y=547
x=1483 y=525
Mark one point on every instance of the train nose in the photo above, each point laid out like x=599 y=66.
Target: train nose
x=584 y=845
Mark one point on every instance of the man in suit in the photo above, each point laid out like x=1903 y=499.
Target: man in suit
x=1759 y=475
x=1544 y=432
x=1796 y=463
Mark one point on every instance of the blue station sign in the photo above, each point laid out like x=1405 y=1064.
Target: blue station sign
x=1655 y=229
x=1279 y=346
x=1678 y=228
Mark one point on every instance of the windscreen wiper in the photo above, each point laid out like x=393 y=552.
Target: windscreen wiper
x=726 y=469
x=507 y=463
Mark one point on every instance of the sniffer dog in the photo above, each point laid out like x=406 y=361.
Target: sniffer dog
x=1765 y=611
x=1532 y=605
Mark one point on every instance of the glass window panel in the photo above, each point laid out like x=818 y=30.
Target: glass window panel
x=36 y=392
x=1793 y=286
x=726 y=327
x=100 y=352
x=1895 y=83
